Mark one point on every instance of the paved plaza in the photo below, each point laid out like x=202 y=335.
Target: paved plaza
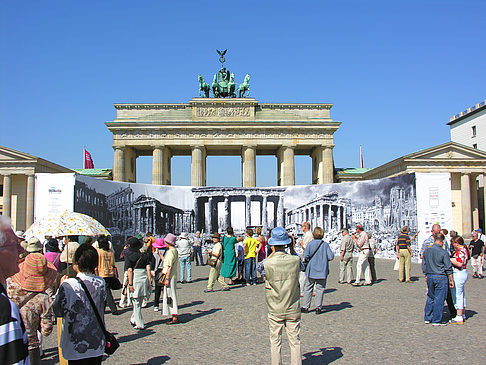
x=362 y=325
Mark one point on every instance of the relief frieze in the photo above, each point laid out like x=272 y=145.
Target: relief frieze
x=218 y=134
x=231 y=112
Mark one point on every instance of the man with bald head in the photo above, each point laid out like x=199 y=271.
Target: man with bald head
x=13 y=337
x=430 y=241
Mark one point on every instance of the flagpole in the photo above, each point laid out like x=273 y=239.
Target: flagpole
x=361 y=156
x=84 y=157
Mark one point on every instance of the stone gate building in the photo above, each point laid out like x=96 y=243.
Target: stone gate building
x=237 y=127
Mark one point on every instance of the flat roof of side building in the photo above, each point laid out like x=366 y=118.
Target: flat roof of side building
x=467 y=113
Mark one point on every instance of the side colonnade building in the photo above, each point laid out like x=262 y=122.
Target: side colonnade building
x=235 y=127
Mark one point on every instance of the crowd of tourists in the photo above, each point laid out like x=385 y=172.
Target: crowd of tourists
x=61 y=281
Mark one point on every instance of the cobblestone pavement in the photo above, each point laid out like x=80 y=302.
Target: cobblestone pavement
x=382 y=323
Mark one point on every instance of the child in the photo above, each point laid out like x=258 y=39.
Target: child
x=251 y=245
x=240 y=257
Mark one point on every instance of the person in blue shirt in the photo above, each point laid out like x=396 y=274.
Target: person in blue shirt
x=430 y=241
x=317 y=254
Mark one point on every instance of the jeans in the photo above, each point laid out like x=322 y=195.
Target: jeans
x=198 y=255
x=371 y=263
x=436 y=294
x=250 y=270
x=458 y=296
x=185 y=261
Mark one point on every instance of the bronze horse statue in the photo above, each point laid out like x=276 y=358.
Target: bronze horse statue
x=244 y=87
x=203 y=87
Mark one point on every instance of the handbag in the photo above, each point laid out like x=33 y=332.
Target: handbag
x=160 y=278
x=306 y=262
x=212 y=260
x=111 y=343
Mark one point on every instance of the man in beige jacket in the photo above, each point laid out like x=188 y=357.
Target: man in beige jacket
x=283 y=297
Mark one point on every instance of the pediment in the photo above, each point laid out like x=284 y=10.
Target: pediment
x=10 y=155
x=448 y=151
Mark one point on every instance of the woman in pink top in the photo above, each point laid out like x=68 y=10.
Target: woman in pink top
x=53 y=255
x=459 y=262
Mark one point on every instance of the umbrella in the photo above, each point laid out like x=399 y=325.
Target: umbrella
x=66 y=224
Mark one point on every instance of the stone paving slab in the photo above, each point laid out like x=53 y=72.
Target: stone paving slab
x=382 y=323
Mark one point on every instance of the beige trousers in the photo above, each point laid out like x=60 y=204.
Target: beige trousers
x=291 y=323
x=215 y=274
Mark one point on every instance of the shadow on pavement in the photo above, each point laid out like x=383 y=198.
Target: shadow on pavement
x=337 y=307
x=187 y=317
x=377 y=281
x=326 y=291
x=135 y=336
x=191 y=304
x=155 y=361
x=470 y=313
x=325 y=356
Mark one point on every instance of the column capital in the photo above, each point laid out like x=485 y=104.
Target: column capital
x=122 y=148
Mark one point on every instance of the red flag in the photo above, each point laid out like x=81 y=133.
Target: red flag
x=88 y=161
x=361 y=156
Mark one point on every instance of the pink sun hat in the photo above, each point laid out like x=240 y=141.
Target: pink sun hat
x=159 y=243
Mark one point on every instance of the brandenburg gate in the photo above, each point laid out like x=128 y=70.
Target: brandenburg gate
x=226 y=124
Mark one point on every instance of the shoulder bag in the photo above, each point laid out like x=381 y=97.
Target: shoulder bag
x=111 y=343
x=306 y=262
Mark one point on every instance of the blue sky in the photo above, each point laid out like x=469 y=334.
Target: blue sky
x=394 y=70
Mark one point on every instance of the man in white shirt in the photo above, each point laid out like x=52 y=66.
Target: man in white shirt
x=362 y=242
x=303 y=243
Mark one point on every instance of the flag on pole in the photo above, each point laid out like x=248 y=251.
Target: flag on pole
x=87 y=161
x=361 y=156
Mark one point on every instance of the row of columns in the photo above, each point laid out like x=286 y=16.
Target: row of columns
x=322 y=162
x=309 y=213
x=29 y=204
x=279 y=217
x=469 y=203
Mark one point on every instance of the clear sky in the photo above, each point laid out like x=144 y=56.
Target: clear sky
x=394 y=70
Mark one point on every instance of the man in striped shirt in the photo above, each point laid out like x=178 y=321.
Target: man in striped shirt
x=13 y=336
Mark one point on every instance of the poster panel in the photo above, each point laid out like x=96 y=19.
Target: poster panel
x=383 y=206
x=54 y=193
x=433 y=203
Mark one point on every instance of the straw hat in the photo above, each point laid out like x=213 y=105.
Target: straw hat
x=71 y=247
x=33 y=245
x=36 y=273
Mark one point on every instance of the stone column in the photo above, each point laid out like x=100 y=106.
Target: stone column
x=316 y=162
x=198 y=166
x=167 y=167
x=158 y=166
x=484 y=201
x=287 y=169
x=29 y=206
x=474 y=201
x=329 y=218
x=247 y=210
x=210 y=218
x=466 y=206
x=323 y=219
x=280 y=212
x=119 y=164
x=345 y=220
x=339 y=212
x=196 y=215
x=327 y=166
x=264 y=214
x=7 y=195
x=248 y=172
x=227 y=211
